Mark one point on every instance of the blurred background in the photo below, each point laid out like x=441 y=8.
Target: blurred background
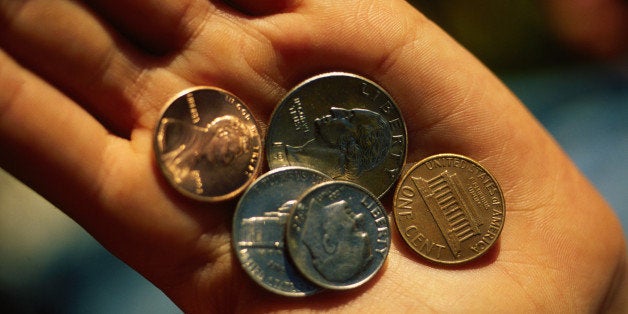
x=566 y=59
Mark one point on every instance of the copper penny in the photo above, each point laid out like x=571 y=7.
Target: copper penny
x=449 y=209
x=208 y=144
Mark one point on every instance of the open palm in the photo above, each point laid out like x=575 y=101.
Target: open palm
x=82 y=84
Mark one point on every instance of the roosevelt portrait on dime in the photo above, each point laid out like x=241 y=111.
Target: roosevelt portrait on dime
x=338 y=246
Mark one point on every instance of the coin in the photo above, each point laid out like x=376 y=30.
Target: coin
x=338 y=235
x=449 y=209
x=343 y=125
x=207 y=144
x=259 y=229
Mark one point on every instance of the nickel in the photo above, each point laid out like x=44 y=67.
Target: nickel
x=259 y=229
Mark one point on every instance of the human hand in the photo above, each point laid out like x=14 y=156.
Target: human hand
x=82 y=85
x=597 y=28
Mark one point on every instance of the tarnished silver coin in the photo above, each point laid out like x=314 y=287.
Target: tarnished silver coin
x=259 y=229
x=208 y=144
x=449 y=209
x=343 y=125
x=338 y=235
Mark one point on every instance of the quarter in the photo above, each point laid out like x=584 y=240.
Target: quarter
x=449 y=209
x=207 y=144
x=343 y=125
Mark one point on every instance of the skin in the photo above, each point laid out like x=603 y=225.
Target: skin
x=594 y=28
x=82 y=85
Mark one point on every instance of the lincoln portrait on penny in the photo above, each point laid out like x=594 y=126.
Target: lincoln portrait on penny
x=187 y=147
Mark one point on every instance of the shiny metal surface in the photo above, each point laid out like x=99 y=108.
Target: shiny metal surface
x=343 y=125
x=259 y=229
x=338 y=235
x=208 y=144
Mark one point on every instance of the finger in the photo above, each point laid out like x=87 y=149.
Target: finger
x=49 y=142
x=215 y=50
x=89 y=62
x=159 y=27
x=595 y=28
x=262 y=7
x=450 y=101
x=437 y=83
x=103 y=182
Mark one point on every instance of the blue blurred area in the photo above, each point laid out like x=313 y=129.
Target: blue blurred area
x=78 y=276
x=585 y=107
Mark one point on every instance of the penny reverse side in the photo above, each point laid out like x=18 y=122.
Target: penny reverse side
x=449 y=209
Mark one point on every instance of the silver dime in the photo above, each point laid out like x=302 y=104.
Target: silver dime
x=338 y=235
x=259 y=229
x=207 y=144
x=343 y=125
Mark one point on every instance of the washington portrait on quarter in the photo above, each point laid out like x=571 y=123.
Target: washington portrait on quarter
x=343 y=125
x=352 y=141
